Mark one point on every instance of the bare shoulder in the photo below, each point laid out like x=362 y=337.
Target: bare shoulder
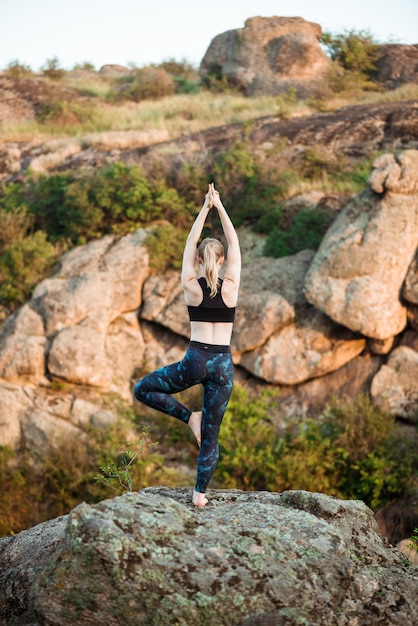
x=193 y=294
x=230 y=289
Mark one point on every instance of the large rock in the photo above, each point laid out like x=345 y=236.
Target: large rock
x=150 y=558
x=70 y=328
x=42 y=417
x=271 y=291
x=310 y=347
x=268 y=55
x=22 y=347
x=357 y=274
x=395 y=386
x=95 y=284
x=397 y=65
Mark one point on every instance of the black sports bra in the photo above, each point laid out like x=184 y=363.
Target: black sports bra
x=211 y=309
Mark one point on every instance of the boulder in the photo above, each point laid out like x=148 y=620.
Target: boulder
x=309 y=398
x=78 y=355
x=410 y=290
x=270 y=292
x=357 y=274
x=397 y=65
x=395 y=386
x=104 y=278
x=22 y=347
x=13 y=405
x=151 y=558
x=163 y=303
x=310 y=347
x=43 y=417
x=268 y=55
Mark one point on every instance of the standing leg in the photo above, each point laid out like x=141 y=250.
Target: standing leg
x=216 y=395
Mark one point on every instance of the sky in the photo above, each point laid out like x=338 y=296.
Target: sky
x=140 y=32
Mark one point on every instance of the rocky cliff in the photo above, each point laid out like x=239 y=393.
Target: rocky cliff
x=247 y=559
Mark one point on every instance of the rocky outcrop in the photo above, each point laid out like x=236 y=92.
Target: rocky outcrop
x=268 y=55
x=150 y=558
x=353 y=131
x=395 y=386
x=397 y=65
x=358 y=272
x=103 y=317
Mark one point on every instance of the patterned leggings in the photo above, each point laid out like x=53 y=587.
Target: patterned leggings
x=206 y=364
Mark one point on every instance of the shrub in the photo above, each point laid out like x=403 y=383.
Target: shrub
x=286 y=103
x=352 y=451
x=22 y=265
x=306 y=233
x=146 y=83
x=249 y=446
x=15 y=222
x=357 y=53
x=185 y=75
x=15 y=69
x=165 y=245
x=36 y=488
x=52 y=69
x=64 y=113
x=86 y=65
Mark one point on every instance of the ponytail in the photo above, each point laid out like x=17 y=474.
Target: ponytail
x=209 y=253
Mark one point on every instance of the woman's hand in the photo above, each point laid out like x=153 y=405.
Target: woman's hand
x=216 y=200
x=209 y=199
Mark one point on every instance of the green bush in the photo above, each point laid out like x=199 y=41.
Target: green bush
x=352 y=451
x=116 y=199
x=23 y=264
x=36 y=488
x=306 y=233
x=146 y=83
x=47 y=214
x=165 y=245
x=15 y=69
x=52 y=69
x=357 y=54
x=249 y=446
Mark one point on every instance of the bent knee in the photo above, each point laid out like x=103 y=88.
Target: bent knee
x=139 y=391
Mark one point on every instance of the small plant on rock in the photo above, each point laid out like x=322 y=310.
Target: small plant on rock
x=117 y=474
x=414 y=540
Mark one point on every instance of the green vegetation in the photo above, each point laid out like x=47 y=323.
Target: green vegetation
x=39 y=487
x=414 y=540
x=352 y=451
x=356 y=53
x=118 y=473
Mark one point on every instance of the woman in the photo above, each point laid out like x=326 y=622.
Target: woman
x=211 y=305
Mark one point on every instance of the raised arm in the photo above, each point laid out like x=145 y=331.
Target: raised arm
x=233 y=257
x=188 y=272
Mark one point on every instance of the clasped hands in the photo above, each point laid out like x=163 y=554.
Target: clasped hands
x=212 y=197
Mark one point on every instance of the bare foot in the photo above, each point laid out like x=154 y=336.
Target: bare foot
x=195 y=423
x=199 y=499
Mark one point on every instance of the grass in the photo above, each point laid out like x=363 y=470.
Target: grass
x=174 y=115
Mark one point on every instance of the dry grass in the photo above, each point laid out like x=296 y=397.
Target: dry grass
x=177 y=115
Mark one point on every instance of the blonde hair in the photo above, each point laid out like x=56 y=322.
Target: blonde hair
x=209 y=253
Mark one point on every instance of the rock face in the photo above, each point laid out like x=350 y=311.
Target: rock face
x=149 y=558
x=397 y=65
x=358 y=272
x=395 y=386
x=268 y=55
